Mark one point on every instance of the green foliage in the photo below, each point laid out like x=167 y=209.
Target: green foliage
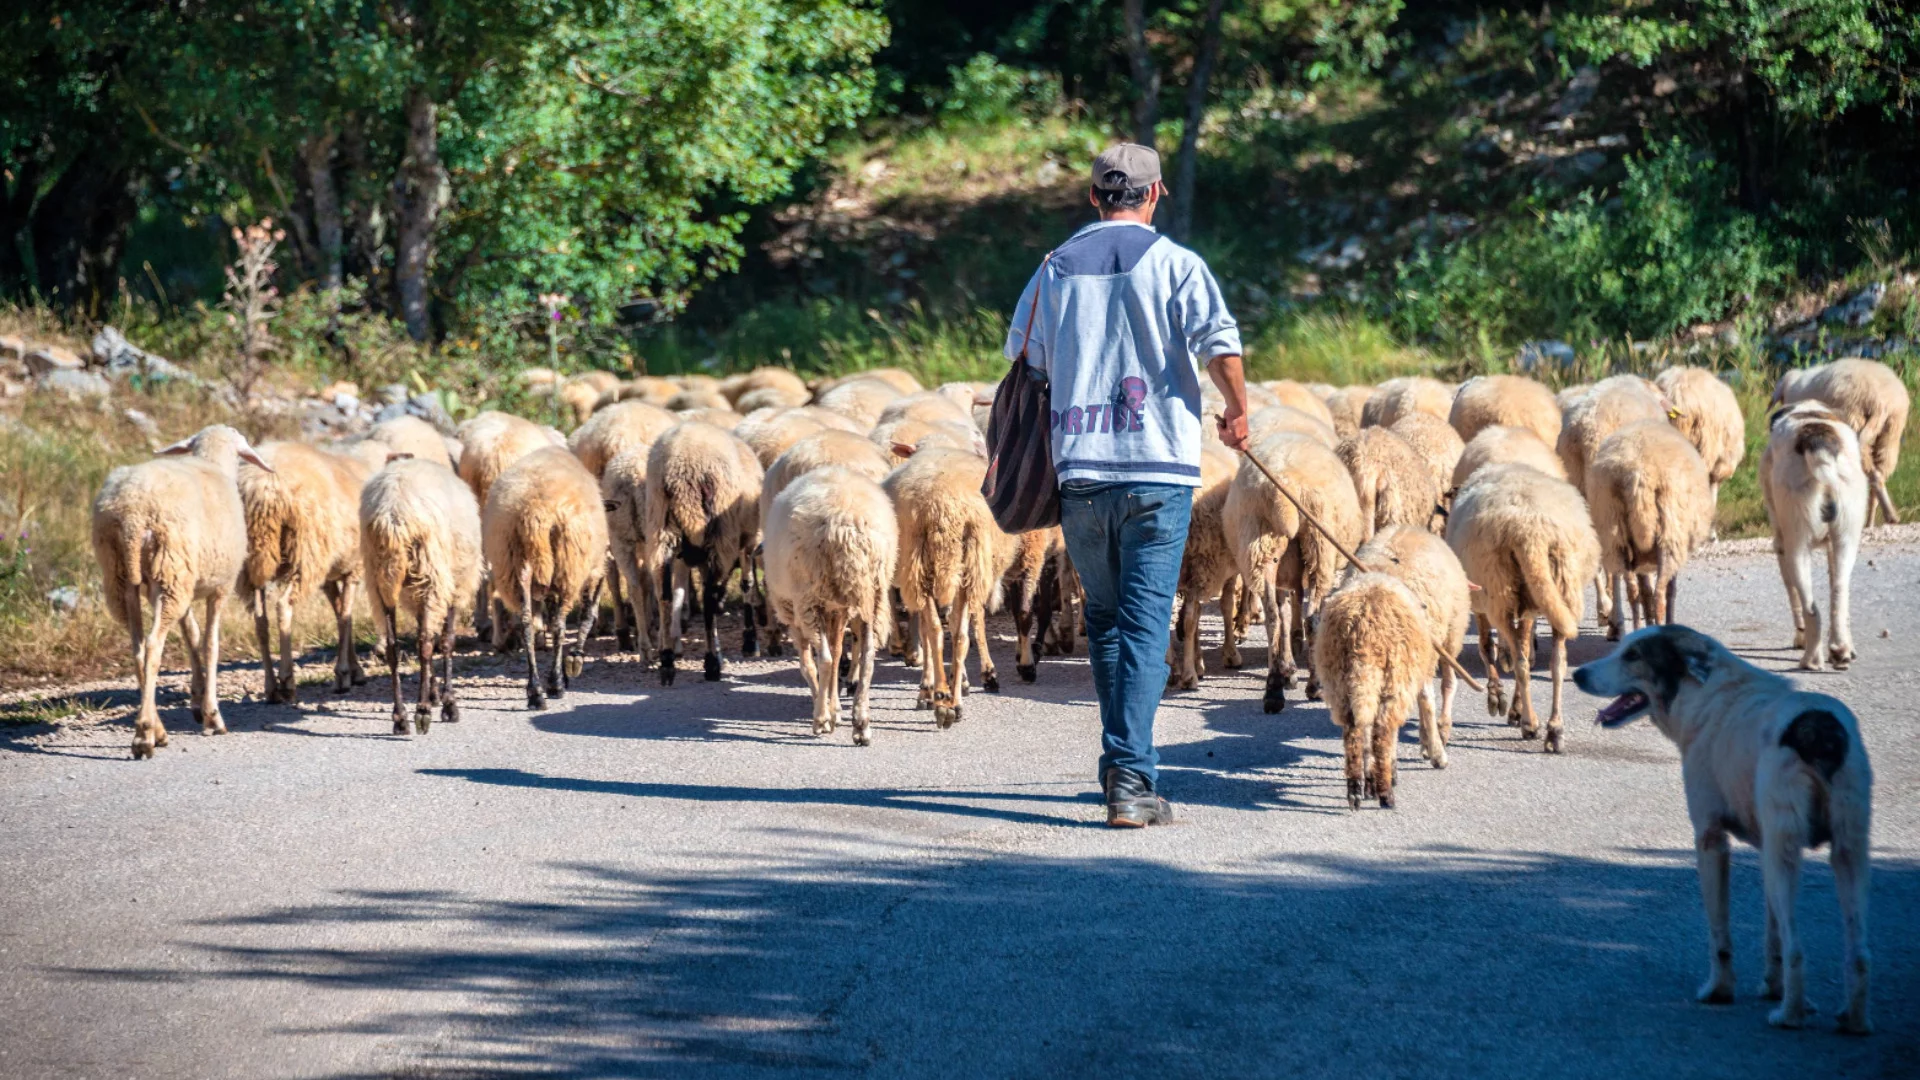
x=1671 y=250
x=985 y=91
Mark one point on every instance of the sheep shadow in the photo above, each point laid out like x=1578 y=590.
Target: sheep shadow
x=1516 y=963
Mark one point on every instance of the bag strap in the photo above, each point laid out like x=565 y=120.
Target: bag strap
x=1033 y=309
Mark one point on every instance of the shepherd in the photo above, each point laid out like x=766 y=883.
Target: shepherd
x=1120 y=321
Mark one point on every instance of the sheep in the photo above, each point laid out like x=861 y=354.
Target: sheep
x=623 y=494
x=771 y=382
x=949 y=566
x=493 y=441
x=1528 y=541
x=1409 y=393
x=1259 y=397
x=1032 y=581
x=861 y=399
x=1278 y=418
x=688 y=400
x=769 y=432
x=303 y=533
x=1650 y=500
x=832 y=543
x=1374 y=655
x=1814 y=484
x=651 y=389
x=1606 y=408
x=1347 y=405
x=1868 y=395
x=1569 y=396
x=414 y=436
x=1710 y=418
x=899 y=438
x=1206 y=571
x=1437 y=444
x=620 y=427
x=420 y=549
x=544 y=532
x=174 y=532
x=1295 y=396
x=702 y=509
x=901 y=382
x=1505 y=400
x=823 y=449
x=929 y=406
x=1391 y=479
x=1431 y=571
x=583 y=393
x=1275 y=550
x=1505 y=445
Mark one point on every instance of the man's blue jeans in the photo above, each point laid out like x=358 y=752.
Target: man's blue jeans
x=1127 y=540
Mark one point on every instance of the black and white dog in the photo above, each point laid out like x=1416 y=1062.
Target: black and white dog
x=1777 y=767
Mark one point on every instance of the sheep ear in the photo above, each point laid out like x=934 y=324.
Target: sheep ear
x=1474 y=586
x=901 y=449
x=398 y=455
x=248 y=455
x=184 y=446
x=609 y=505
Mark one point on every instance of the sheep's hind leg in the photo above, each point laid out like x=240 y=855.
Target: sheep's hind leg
x=148 y=730
x=712 y=583
x=269 y=673
x=673 y=593
x=346 y=660
x=577 y=656
x=423 y=707
x=989 y=675
x=530 y=632
x=863 y=671
x=1490 y=660
x=449 y=707
x=390 y=623
x=1520 y=713
x=197 y=674
x=1279 y=659
x=555 y=617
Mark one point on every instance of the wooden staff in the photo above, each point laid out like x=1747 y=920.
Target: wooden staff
x=1351 y=557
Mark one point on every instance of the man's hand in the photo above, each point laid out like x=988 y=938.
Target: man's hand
x=1233 y=428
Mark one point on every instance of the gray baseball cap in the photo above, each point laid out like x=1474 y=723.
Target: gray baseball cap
x=1126 y=166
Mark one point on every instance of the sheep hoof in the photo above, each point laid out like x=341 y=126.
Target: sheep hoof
x=421 y=721
x=212 y=724
x=749 y=641
x=574 y=666
x=946 y=715
x=1439 y=761
x=535 y=699
x=1496 y=699
x=282 y=694
x=822 y=727
x=1230 y=661
x=1552 y=745
x=1526 y=731
x=399 y=722
x=1353 y=794
x=1614 y=632
x=1275 y=699
x=1386 y=800
x=1027 y=672
x=713 y=667
x=1313 y=690
x=666 y=667
x=623 y=639
x=990 y=682
x=450 y=712
x=142 y=748
x=861 y=738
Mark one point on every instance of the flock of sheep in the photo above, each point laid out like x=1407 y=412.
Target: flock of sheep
x=851 y=512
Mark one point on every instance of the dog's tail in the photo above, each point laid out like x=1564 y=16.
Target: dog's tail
x=1820 y=739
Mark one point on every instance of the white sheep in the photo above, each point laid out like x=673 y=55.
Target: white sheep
x=702 y=510
x=414 y=436
x=1608 y=406
x=777 y=385
x=1817 y=496
x=1506 y=446
x=420 y=546
x=1432 y=572
x=1710 y=418
x=1868 y=395
x=544 y=531
x=491 y=442
x=1652 y=505
x=1486 y=401
x=623 y=493
x=1527 y=540
x=1374 y=655
x=831 y=547
x=303 y=533
x=1278 y=418
x=1410 y=393
x=172 y=531
x=823 y=449
x=1276 y=551
x=1347 y=405
x=1437 y=444
x=1207 y=571
x=624 y=426
x=1391 y=479
x=1296 y=396
x=861 y=399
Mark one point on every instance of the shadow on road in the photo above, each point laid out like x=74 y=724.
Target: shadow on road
x=1453 y=963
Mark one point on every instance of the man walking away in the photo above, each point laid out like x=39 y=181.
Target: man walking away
x=1120 y=314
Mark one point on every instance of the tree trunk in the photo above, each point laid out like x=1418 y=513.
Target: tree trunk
x=328 y=229
x=418 y=191
x=16 y=208
x=1146 y=74
x=79 y=229
x=1181 y=226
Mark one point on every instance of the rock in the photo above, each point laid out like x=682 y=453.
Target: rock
x=48 y=358
x=13 y=346
x=122 y=358
x=1539 y=355
x=346 y=402
x=1049 y=174
x=1858 y=309
x=75 y=385
x=392 y=394
x=64 y=599
x=11 y=389
x=1580 y=91
x=427 y=407
x=142 y=421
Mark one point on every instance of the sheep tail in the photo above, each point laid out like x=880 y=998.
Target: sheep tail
x=1542 y=574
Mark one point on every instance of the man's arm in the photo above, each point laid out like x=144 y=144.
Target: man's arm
x=1231 y=378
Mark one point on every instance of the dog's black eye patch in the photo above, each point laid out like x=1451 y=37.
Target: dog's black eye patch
x=1664 y=665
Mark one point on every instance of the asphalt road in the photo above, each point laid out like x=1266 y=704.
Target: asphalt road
x=675 y=882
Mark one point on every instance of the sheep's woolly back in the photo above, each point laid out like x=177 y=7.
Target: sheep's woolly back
x=688 y=400
x=1649 y=495
x=773 y=381
x=832 y=544
x=768 y=397
x=1296 y=396
x=617 y=428
x=412 y=435
x=1507 y=446
x=1431 y=571
x=544 y=514
x=493 y=441
x=823 y=449
x=171 y=527
x=1278 y=418
x=1208 y=563
x=1866 y=393
x=1410 y=393
x=1373 y=650
x=1263 y=528
x=912 y=433
x=901 y=381
x=949 y=544
x=1526 y=539
x=861 y=400
x=1347 y=405
x=1437 y=444
x=703 y=491
x=837 y=421
x=1390 y=478
x=303 y=518
x=420 y=540
x=770 y=432
x=651 y=389
x=624 y=484
x=1611 y=405
x=929 y=406
x=1508 y=401
x=1259 y=397
x=1709 y=416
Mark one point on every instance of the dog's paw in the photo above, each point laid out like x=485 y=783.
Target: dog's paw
x=1769 y=989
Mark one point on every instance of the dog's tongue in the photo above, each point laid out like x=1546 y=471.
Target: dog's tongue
x=1621 y=709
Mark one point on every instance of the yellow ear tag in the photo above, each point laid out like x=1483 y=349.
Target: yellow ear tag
x=1673 y=414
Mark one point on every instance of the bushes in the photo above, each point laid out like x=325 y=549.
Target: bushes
x=1671 y=249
